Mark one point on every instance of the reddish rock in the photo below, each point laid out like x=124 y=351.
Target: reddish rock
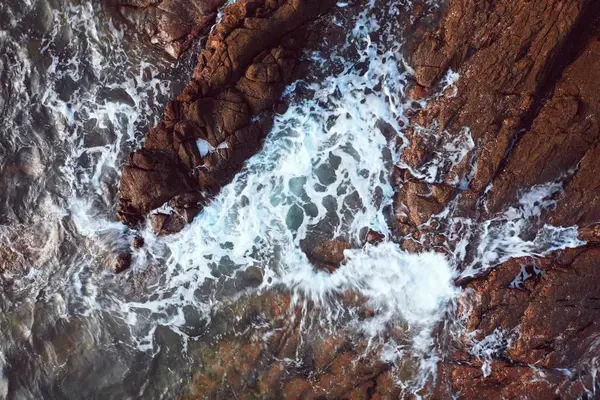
x=417 y=92
x=508 y=381
x=209 y=131
x=529 y=93
x=374 y=237
x=325 y=254
x=138 y=242
x=563 y=135
x=258 y=365
x=508 y=54
x=417 y=201
x=554 y=314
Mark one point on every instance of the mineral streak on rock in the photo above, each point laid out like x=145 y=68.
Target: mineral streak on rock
x=220 y=119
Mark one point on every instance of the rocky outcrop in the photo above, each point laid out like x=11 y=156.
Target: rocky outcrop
x=509 y=55
x=554 y=313
x=171 y=24
x=562 y=137
x=507 y=381
x=536 y=323
x=528 y=92
x=222 y=116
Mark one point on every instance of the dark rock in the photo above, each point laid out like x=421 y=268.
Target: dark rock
x=325 y=254
x=166 y=224
x=374 y=237
x=138 y=242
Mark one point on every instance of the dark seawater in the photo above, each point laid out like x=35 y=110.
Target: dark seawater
x=75 y=95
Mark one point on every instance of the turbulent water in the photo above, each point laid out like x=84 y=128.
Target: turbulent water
x=78 y=94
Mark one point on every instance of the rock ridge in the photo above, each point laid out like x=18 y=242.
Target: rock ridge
x=221 y=117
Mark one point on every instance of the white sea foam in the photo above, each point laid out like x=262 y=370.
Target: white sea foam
x=324 y=170
x=501 y=238
x=415 y=288
x=325 y=156
x=490 y=347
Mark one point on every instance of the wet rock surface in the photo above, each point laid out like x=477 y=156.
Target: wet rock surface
x=555 y=309
x=276 y=359
x=222 y=116
x=507 y=381
x=528 y=92
x=170 y=24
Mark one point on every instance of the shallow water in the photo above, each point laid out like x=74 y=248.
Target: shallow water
x=77 y=96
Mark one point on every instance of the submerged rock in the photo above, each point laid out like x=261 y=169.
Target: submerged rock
x=122 y=263
x=274 y=358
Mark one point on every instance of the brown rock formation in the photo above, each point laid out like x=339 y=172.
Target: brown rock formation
x=549 y=325
x=563 y=135
x=172 y=24
x=211 y=129
x=508 y=64
x=507 y=381
x=325 y=254
x=556 y=310
x=528 y=92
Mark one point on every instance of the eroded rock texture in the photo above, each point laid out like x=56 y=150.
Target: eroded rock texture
x=529 y=93
x=222 y=116
x=171 y=24
x=509 y=55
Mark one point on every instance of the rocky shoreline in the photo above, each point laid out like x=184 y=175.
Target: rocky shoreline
x=529 y=93
x=220 y=119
